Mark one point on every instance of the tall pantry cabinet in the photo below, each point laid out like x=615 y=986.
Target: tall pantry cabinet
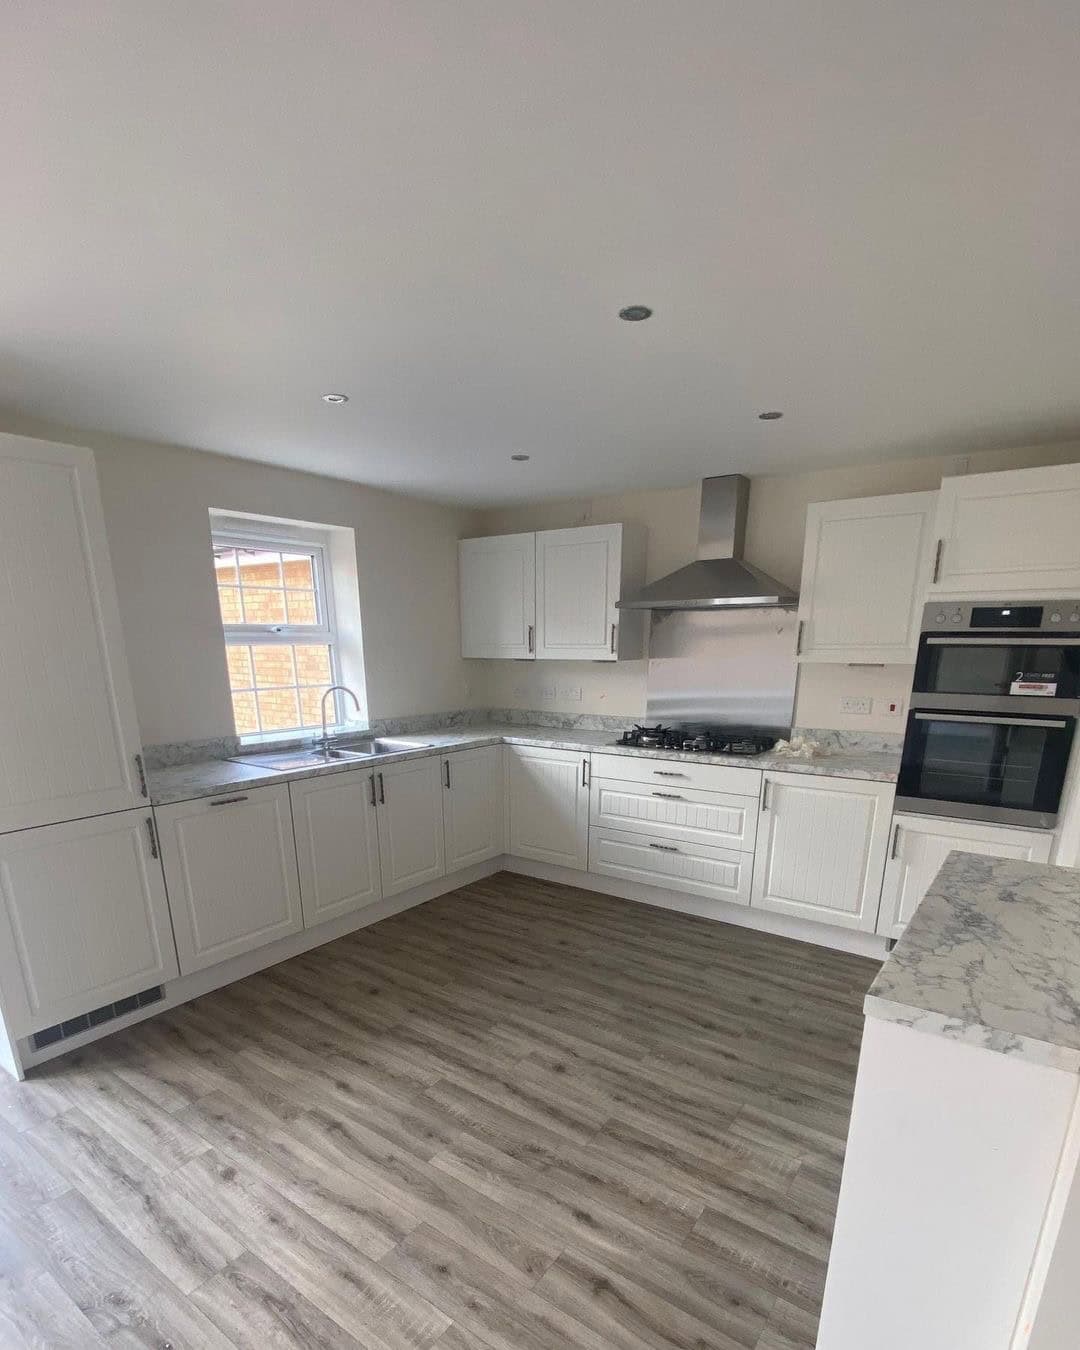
x=83 y=916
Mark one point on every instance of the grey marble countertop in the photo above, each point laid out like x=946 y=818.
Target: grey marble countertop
x=209 y=777
x=991 y=958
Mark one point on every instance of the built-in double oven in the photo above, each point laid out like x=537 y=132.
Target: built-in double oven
x=993 y=711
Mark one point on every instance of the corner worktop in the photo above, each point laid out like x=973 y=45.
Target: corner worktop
x=206 y=778
x=992 y=958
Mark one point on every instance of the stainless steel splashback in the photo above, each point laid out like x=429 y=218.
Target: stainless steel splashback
x=732 y=668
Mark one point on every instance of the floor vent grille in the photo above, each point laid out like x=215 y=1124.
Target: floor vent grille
x=75 y=1026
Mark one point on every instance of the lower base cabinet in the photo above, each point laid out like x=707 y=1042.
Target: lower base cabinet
x=337 y=844
x=410 y=823
x=920 y=844
x=83 y=918
x=821 y=846
x=230 y=866
x=696 y=869
x=548 y=805
x=473 y=806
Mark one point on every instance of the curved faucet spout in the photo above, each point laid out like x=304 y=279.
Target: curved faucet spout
x=335 y=689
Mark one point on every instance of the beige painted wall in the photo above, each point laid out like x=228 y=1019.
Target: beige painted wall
x=156 y=501
x=774 y=541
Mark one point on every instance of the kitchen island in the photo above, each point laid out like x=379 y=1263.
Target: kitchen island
x=958 y=1206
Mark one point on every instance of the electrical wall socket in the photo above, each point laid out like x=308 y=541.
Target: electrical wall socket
x=860 y=704
x=547 y=693
x=894 y=707
x=570 y=693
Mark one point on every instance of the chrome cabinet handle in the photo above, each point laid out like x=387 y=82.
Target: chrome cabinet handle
x=764 y=794
x=382 y=791
x=613 y=628
x=670 y=796
x=532 y=639
x=667 y=773
x=141 y=771
x=585 y=772
x=228 y=801
x=446 y=766
x=153 y=837
x=937 y=560
x=664 y=848
x=798 y=639
x=372 y=781
x=895 y=840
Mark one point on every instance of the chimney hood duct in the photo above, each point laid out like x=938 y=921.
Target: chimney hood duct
x=719 y=579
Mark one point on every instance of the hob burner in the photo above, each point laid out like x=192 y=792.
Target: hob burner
x=708 y=740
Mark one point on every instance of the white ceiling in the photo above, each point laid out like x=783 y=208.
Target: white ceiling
x=863 y=212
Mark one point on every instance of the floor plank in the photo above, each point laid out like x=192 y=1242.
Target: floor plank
x=521 y=1117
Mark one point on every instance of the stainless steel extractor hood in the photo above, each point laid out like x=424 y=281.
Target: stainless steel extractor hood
x=719 y=579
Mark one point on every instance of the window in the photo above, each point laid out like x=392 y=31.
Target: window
x=280 y=638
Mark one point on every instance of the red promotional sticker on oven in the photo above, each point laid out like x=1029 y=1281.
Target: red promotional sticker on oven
x=1034 y=684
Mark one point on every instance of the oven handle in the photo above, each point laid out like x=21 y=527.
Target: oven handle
x=1058 y=723
x=1015 y=640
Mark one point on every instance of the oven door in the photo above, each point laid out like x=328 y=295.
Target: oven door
x=1002 y=672
x=982 y=766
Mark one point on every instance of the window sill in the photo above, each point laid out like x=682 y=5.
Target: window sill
x=284 y=739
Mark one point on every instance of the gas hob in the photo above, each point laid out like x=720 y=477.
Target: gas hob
x=706 y=740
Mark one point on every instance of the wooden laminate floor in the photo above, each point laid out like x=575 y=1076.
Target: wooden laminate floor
x=519 y=1117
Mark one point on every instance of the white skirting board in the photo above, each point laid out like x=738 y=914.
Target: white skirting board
x=743 y=916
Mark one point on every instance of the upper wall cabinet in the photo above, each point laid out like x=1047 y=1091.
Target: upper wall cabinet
x=69 y=741
x=866 y=567
x=1009 y=535
x=552 y=595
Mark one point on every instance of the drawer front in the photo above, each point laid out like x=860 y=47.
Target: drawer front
x=716 y=819
x=719 y=873
x=681 y=772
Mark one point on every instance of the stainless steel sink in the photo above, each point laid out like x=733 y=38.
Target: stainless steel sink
x=284 y=760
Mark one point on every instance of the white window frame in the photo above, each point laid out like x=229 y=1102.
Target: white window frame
x=276 y=538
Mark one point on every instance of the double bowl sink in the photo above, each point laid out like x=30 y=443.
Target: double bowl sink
x=341 y=752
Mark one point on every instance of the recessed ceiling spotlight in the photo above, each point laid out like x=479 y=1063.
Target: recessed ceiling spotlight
x=770 y=416
x=635 y=313
x=519 y=459
x=335 y=399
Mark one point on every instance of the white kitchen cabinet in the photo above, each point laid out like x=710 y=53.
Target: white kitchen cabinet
x=337 y=844
x=1009 y=535
x=230 y=866
x=694 y=868
x=497 y=577
x=548 y=805
x=69 y=740
x=473 y=814
x=580 y=575
x=410 y=818
x=821 y=847
x=663 y=811
x=551 y=596
x=920 y=844
x=83 y=918
x=866 y=568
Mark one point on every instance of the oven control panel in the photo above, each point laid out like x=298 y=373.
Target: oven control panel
x=989 y=616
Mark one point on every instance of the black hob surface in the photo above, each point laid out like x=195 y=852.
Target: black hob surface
x=705 y=740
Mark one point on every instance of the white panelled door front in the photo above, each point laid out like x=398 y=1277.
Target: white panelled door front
x=578 y=574
x=548 y=805
x=337 y=844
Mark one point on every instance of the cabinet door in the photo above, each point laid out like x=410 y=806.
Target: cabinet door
x=548 y=805
x=337 y=844
x=866 y=567
x=68 y=735
x=473 y=813
x=578 y=574
x=920 y=844
x=696 y=869
x=1010 y=535
x=498 y=596
x=230 y=866
x=821 y=848
x=715 y=819
x=410 y=815
x=83 y=918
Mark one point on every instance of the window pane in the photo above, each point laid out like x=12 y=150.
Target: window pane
x=259 y=567
x=225 y=567
x=279 y=709
x=229 y=600
x=264 y=606
x=273 y=666
x=240 y=672
x=298 y=571
x=313 y=665
x=244 y=714
x=302 y=608
x=311 y=708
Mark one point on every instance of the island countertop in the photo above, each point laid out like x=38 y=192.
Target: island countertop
x=991 y=957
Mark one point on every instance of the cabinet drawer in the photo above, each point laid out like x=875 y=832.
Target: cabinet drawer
x=685 y=772
x=719 y=873
x=670 y=811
